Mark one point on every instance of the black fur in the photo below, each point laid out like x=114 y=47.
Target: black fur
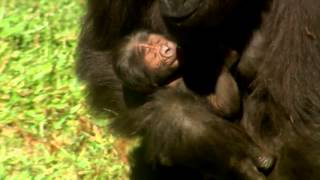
x=282 y=104
x=283 y=111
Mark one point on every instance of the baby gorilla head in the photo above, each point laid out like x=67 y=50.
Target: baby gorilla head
x=146 y=60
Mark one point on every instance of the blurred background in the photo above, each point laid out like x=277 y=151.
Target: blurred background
x=46 y=131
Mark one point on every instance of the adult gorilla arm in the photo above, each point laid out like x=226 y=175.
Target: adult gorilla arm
x=105 y=23
x=283 y=111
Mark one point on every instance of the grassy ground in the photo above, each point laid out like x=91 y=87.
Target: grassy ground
x=45 y=130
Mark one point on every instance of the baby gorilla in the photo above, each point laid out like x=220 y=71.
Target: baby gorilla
x=152 y=61
x=148 y=63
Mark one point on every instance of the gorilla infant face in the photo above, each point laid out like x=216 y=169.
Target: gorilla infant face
x=158 y=53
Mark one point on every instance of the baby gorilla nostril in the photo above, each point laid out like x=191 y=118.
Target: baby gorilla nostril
x=166 y=51
x=265 y=164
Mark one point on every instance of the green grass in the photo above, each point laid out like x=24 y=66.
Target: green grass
x=46 y=131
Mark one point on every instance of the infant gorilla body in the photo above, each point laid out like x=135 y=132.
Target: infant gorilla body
x=156 y=64
x=149 y=63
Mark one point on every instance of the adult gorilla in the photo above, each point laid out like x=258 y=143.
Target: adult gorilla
x=282 y=104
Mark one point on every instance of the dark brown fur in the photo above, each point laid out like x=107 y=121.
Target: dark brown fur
x=282 y=104
x=283 y=111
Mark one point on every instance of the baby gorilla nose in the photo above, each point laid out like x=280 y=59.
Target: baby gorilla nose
x=168 y=50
